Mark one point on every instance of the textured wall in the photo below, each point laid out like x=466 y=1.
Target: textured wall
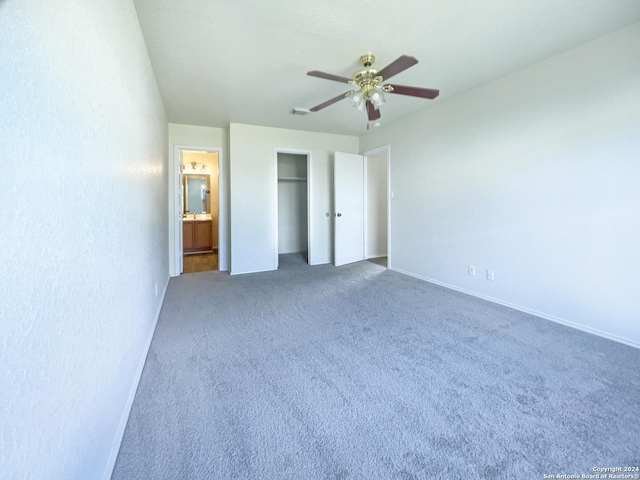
x=79 y=107
x=534 y=176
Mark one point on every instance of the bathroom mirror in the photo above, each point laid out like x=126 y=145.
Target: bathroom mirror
x=196 y=193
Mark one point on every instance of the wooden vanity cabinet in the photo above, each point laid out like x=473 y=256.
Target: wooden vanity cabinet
x=188 y=235
x=203 y=235
x=197 y=236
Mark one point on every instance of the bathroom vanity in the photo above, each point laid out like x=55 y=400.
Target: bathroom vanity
x=197 y=235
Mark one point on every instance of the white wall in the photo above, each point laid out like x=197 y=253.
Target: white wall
x=535 y=176
x=80 y=108
x=376 y=168
x=253 y=191
x=196 y=136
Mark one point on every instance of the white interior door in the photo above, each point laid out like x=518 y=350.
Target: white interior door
x=349 y=208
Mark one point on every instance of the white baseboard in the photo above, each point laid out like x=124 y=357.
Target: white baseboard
x=546 y=316
x=117 y=440
x=253 y=271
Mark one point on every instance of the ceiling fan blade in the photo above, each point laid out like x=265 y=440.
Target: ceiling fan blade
x=329 y=102
x=372 y=113
x=328 y=76
x=400 y=64
x=415 y=91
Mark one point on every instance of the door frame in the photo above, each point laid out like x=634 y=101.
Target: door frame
x=309 y=156
x=175 y=208
x=373 y=151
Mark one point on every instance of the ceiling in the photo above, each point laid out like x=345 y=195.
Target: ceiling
x=245 y=61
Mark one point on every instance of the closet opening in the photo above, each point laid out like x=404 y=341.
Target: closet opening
x=293 y=209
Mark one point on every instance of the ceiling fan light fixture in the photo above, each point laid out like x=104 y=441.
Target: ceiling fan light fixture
x=369 y=94
x=356 y=97
x=377 y=98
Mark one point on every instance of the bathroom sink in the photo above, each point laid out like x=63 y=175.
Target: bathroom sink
x=199 y=216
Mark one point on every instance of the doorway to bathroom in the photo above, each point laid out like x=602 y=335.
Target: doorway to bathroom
x=200 y=210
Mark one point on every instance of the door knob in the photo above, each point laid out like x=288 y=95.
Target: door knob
x=338 y=215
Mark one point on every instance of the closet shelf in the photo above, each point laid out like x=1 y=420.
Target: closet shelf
x=292 y=179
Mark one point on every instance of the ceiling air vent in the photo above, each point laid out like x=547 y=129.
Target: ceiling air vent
x=300 y=111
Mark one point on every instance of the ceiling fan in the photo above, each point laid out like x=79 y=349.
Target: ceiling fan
x=370 y=91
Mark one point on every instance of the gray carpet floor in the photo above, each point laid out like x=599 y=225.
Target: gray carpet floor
x=359 y=372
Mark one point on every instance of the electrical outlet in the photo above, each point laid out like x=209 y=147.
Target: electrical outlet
x=489 y=274
x=472 y=270
x=254 y=253
x=156 y=289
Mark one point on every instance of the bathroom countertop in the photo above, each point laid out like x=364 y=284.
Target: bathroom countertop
x=199 y=217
